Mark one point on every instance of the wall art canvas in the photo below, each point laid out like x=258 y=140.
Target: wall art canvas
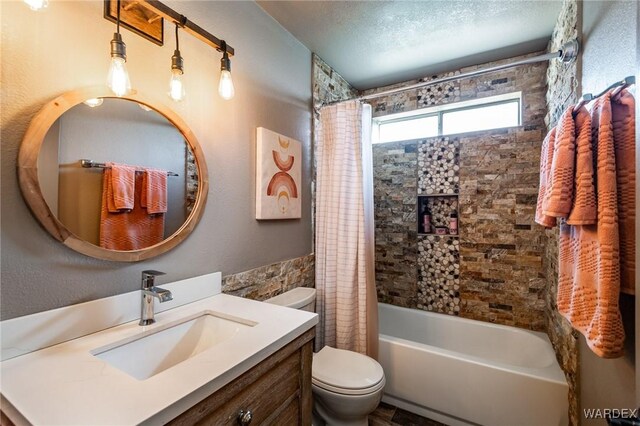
x=278 y=176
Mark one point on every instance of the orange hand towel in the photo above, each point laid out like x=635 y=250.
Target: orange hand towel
x=589 y=268
x=154 y=191
x=121 y=187
x=584 y=210
x=129 y=229
x=558 y=197
x=624 y=130
x=546 y=158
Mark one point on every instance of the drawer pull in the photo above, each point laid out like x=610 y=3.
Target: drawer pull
x=244 y=417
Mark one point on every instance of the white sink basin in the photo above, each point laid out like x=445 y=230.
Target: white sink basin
x=146 y=355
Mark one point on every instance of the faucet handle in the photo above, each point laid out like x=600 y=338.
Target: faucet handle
x=152 y=273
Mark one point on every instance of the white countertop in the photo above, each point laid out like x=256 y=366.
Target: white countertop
x=66 y=385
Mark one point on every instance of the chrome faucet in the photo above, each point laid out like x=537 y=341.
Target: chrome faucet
x=149 y=291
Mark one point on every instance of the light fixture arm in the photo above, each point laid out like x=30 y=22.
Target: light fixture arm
x=190 y=27
x=118 y=48
x=177 y=63
x=225 y=62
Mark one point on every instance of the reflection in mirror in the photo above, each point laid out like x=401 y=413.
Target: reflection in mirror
x=118 y=131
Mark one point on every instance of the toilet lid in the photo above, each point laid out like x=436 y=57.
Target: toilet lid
x=344 y=371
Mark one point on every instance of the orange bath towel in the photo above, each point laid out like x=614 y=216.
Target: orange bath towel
x=624 y=128
x=558 y=197
x=546 y=159
x=584 y=209
x=589 y=263
x=121 y=189
x=128 y=230
x=566 y=172
x=154 y=191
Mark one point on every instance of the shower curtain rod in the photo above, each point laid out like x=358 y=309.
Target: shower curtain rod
x=568 y=52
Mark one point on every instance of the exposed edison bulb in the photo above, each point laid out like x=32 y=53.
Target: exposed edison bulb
x=118 y=78
x=176 y=87
x=94 y=102
x=37 y=4
x=225 y=89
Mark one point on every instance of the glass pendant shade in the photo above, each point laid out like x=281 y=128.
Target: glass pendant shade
x=118 y=77
x=225 y=88
x=94 y=102
x=37 y=4
x=176 y=86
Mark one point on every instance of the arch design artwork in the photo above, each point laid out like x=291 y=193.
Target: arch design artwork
x=284 y=165
x=282 y=182
x=278 y=176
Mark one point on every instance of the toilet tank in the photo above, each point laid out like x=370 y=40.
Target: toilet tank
x=303 y=298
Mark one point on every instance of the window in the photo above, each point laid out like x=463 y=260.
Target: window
x=479 y=114
x=412 y=128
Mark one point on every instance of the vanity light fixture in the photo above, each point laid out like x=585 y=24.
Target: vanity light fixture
x=94 y=102
x=118 y=77
x=160 y=10
x=176 y=86
x=225 y=88
x=37 y=4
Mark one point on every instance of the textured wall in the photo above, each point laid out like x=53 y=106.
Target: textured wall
x=492 y=271
x=608 y=32
x=610 y=40
x=271 y=73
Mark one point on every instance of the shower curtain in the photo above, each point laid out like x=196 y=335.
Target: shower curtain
x=345 y=278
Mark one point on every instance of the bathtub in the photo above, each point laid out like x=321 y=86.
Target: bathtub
x=466 y=372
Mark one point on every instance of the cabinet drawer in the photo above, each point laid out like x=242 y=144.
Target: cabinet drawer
x=265 y=395
x=277 y=391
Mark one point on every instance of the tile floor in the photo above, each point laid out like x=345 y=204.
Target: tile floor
x=388 y=415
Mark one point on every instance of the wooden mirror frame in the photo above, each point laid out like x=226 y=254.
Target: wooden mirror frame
x=32 y=193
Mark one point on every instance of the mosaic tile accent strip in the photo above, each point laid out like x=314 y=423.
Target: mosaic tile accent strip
x=270 y=280
x=394 y=176
x=438 y=166
x=439 y=94
x=439 y=274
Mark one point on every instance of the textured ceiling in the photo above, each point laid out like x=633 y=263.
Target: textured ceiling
x=374 y=43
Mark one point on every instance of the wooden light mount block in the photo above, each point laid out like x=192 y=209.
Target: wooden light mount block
x=137 y=18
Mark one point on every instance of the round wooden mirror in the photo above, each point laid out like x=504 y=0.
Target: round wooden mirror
x=72 y=152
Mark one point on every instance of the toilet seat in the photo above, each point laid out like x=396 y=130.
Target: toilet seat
x=346 y=372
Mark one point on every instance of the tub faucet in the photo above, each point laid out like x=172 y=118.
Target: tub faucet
x=149 y=291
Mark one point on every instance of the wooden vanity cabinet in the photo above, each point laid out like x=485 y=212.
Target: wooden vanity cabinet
x=275 y=392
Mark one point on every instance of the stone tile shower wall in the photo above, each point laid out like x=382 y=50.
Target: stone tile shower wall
x=562 y=91
x=395 y=187
x=270 y=280
x=492 y=270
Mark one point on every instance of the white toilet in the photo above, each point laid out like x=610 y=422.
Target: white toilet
x=347 y=386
